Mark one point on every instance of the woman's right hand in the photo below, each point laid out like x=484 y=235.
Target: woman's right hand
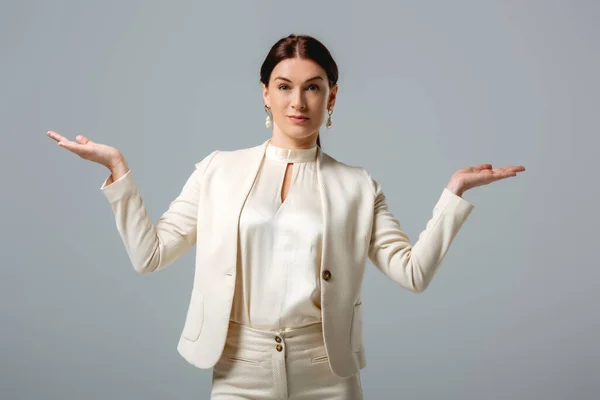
x=102 y=154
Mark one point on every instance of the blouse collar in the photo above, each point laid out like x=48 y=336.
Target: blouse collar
x=276 y=153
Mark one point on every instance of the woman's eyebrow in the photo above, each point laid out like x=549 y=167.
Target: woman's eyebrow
x=286 y=79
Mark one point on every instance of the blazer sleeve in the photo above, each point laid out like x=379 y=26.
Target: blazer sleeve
x=390 y=250
x=151 y=247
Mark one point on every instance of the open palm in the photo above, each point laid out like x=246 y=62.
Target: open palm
x=88 y=150
x=483 y=174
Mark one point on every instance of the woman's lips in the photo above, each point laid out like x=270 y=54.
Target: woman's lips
x=298 y=120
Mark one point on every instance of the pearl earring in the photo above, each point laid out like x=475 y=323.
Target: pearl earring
x=268 y=120
x=328 y=124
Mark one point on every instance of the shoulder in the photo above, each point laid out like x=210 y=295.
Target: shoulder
x=329 y=160
x=203 y=164
x=225 y=157
x=356 y=173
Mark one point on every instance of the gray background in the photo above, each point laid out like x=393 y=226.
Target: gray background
x=425 y=88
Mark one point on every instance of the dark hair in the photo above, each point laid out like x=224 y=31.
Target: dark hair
x=299 y=46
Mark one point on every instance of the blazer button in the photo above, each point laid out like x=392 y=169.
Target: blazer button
x=279 y=347
x=278 y=339
x=326 y=275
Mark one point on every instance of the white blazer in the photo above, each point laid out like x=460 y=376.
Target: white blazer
x=356 y=225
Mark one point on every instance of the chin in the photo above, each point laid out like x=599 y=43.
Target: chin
x=304 y=131
x=300 y=132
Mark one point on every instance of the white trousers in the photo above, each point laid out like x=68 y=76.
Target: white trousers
x=283 y=365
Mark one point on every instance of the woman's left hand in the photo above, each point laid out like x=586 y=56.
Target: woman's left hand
x=469 y=177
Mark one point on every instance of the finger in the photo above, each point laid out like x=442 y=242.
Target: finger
x=56 y=136
x=502 y=173
x=76 y=148
x=513 y=170
x=82 y=139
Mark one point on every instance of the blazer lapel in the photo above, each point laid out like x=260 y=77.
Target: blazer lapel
x=240 y=181
x=338 y=256
x=323 y=177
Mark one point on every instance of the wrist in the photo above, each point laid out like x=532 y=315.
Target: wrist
x=118 y=168
x=456 y=187
x=118 y=163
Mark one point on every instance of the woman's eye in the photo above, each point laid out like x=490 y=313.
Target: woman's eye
x=283 y=87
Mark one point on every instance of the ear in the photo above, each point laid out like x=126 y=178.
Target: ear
x=332 y=96
x=265 y=94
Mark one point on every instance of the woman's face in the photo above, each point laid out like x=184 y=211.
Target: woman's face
x=300 y=87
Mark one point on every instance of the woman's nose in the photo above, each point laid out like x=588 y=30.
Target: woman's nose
x=298 y=102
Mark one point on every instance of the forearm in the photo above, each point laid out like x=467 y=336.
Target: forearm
x=413 y=266
x=150 y=246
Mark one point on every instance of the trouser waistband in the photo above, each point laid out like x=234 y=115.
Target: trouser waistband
x=296 y=339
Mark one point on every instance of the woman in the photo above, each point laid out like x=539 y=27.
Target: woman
x=282 y=232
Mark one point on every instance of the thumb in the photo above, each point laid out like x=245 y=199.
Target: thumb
x=481 y=167
x=82 y=139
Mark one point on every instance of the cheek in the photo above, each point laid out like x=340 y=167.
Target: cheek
x=321 y=103
x=280 y=104
x=319 y=106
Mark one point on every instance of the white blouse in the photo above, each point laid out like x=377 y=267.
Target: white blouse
x=278 y=283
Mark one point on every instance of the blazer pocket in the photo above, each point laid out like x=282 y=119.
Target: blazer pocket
x=195 y=317
x=356 y=332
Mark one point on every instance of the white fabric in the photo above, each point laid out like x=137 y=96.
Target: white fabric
x=356 y=222
x=278 y=283
x=287 y=364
